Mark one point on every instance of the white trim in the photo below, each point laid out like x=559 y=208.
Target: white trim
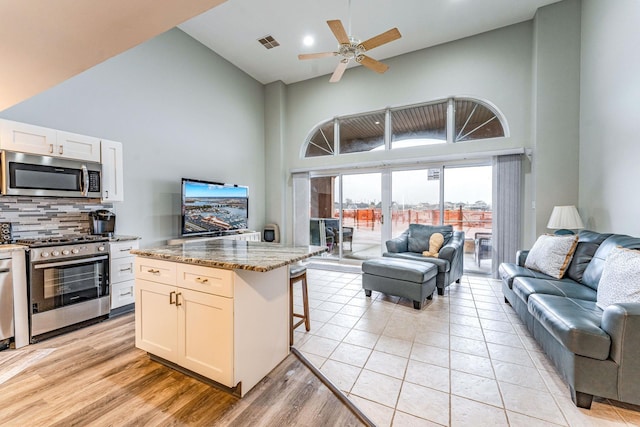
x=413 y=161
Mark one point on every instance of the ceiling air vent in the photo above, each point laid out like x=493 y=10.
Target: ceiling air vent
x=268 y=42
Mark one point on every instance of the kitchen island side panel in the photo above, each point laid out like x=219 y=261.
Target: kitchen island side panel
x=261 y=320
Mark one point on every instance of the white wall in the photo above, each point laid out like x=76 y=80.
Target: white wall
x=494 y=66
x=609 y=119
x=180 y=110
x=555 y=112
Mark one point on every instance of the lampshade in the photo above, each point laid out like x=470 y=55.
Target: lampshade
x=565 y=217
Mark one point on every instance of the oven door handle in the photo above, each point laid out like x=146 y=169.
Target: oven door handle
x=72 y=262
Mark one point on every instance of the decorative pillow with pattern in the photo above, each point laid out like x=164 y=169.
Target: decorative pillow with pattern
x=552 y=254
x=620 y=281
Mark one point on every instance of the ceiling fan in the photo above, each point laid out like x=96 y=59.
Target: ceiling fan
x=351 y=48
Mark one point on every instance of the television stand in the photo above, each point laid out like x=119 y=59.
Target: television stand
x=248 y=235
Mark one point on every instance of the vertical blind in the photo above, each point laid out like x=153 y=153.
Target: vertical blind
x=507 y=215
x=301 y=203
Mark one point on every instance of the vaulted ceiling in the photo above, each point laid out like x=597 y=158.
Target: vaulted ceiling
x=233 y=29
x=44 y=42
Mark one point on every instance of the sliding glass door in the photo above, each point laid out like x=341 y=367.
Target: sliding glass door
x=354 y=214
x=346 y=215
x=415 y=198
x=467 y=206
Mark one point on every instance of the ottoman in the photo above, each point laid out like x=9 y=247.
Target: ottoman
x=415 y=280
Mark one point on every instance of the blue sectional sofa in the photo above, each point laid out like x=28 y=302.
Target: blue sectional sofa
x=596 y=351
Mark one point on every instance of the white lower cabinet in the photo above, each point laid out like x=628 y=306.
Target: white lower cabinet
x=156 y=319
x=190 y=328
x=231 y=326
x=205 y=334
x=122 y=273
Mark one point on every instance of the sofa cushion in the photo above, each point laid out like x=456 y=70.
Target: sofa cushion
x=551 y=254
x=442 y=264
x=399 y=269
x=620 y=281
x=575 y=323
x=523 y=287
x=419 y=234
x=588 y=243
x=593 y=272
x=508 y=272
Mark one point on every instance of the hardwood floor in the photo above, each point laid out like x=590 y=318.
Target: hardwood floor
x=95 y=376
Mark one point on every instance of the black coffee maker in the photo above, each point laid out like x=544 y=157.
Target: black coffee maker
x=103 y=222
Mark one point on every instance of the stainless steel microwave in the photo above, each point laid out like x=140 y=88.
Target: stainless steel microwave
x=33 y=175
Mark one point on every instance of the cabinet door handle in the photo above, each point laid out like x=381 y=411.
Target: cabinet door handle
x=171 y=295
x=126 y=250
x=153 y=271
x=178 y=303
x=60 y=150
x=201 y=280
x=51 y=148
x=126 y=269
x=129 y=293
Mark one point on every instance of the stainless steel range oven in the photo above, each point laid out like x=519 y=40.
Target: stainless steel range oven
x=68 y=283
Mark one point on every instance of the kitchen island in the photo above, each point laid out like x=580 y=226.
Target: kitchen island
x=217 y=309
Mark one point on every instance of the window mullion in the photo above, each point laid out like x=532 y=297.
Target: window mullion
x=387 y=129
x=451 y=120
x=336 y=136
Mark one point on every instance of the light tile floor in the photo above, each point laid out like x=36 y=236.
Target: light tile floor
x=463 y=360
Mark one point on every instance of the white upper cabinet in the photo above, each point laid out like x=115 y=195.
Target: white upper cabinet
x=26 y=138
x=112 y=171
x=31 y=139
x=79 y=147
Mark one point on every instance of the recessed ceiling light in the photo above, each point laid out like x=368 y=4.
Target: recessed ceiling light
x=308 y=41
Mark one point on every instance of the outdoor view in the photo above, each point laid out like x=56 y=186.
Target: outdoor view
x=415 y=198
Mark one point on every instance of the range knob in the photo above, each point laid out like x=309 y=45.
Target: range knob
x=74 y=251
x=44 y=254
x=55 y=253
x=65 y=252
x=100 y=248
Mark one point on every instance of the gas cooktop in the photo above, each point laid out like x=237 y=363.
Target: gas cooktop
x=61 y=240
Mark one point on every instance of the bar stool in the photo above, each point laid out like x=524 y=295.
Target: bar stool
x=298 y=273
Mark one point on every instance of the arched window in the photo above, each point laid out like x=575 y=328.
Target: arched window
x=475 y=121
x=452 y=120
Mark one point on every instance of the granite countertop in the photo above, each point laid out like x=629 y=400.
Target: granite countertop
x=232 y=254
x=12 y=247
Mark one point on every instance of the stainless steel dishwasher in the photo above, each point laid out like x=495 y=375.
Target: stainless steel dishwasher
x=6 y=303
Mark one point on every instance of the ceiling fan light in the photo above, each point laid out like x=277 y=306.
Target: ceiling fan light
x=308 y=41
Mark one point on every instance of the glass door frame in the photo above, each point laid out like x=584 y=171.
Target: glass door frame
x=386 y=190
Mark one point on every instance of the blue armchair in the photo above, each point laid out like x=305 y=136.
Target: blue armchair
x=450 y=261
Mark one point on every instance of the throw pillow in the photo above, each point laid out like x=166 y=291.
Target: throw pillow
x=552 y=254
x=620 y=281
x=435 y=243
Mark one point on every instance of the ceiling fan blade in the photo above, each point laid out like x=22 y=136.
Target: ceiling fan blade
x=380 y=39
x=316 y=55
x=339 y=71
x=338 y=30
x=373 y=64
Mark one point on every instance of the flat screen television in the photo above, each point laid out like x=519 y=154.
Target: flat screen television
x=213 y=207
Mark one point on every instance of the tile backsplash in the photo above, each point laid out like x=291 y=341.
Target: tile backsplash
x=48 y=216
